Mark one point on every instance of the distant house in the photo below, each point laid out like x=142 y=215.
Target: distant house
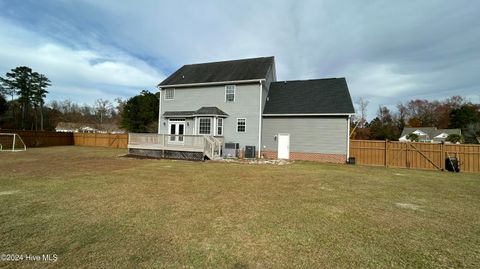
x=428 y=134
x=74 y=127
x=241 y=103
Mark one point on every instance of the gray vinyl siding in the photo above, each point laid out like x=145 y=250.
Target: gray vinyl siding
x=270 y=77
x=307 y=134
x=246 y=105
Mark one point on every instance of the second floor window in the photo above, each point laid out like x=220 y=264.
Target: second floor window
x=230 y=93
x=169 y=94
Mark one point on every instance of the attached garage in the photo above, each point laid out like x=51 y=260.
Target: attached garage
x=307 y=120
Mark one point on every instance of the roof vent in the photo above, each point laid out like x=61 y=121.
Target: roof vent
x=183 y=76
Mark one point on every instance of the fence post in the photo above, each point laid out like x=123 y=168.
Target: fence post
x=386 y=152
x=406 y=154
x=442 y=156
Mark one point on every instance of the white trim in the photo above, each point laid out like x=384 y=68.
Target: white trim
x=209 y=115
x=234 y=93
x=160 y=112
x=214 y=125
x=309 y=114
x=259 y=123
x=236 y=125
x=348 y=137
x=213 y=83
x=195 y=130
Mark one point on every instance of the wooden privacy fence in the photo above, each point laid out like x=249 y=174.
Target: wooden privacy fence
x=414 y=155
x=43 y=138
x=48 y=139
x=101 y=140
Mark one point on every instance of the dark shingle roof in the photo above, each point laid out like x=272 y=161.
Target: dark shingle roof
x=205 y=110
x=245 y=69
x=210 y=110
x=178 y=113
x=316 y=96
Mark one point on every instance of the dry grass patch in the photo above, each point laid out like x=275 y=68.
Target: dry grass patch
x=95 y=209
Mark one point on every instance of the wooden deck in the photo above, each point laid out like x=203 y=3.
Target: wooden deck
x=172 y=147
x=175 y=146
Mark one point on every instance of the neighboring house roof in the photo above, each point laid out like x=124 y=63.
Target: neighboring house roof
x=77 y=126
x=235 y=70
x=205 y=110
x=316 y=96
x=431 y=133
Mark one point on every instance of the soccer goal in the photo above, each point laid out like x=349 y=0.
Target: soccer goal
x=11 y=142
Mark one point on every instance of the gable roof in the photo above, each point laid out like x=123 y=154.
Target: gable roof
x=315 y=96
x=235 y=70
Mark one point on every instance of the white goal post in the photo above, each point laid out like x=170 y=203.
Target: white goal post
x=11 y=142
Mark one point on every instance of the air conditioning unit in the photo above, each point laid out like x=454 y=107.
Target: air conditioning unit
x=230 y=150
x=249 y=152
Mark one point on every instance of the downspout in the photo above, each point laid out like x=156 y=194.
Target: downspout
x=160 y=110
x=260 y=122
x=348 y=137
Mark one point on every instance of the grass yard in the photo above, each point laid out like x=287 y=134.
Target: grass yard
x=95 y=209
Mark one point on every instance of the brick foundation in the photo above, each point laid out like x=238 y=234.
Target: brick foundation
x=309 y=156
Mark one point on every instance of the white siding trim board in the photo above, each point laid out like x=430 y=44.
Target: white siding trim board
x=212 y=83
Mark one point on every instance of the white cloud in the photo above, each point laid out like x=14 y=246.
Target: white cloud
x=389 y=52
x=94 y=74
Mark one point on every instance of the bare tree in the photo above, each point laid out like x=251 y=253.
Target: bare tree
x=103 y=108
x=362 y=109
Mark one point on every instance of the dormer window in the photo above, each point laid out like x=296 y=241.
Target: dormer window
x=230 y=93
x=169 y=94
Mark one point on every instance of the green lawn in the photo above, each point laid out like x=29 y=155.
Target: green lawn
x=95 y=209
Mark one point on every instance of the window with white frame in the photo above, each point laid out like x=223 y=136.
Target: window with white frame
x=219 y=126
x=241 y=125
x=204 y=126
x=169 y=94
x=230 y=93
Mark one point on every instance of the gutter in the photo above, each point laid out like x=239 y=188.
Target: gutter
x=212 y=83
x=309 y=114
x=260 y=122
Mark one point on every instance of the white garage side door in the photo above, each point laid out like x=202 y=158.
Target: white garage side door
x=283 y=146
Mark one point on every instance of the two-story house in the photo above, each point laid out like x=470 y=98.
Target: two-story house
x=206 y=106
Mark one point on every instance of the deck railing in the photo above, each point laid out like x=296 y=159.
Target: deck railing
x=209 y=145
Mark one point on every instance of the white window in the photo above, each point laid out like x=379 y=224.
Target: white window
x=205 y=126
x=169 y=94
x=219 y=126
x=230 y=93
x=241 y=125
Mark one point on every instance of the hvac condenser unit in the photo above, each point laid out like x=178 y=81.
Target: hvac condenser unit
x=231 y=150
x=249 y=152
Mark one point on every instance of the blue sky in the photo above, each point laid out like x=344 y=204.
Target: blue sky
x=389 y=51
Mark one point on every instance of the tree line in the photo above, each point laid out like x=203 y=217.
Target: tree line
x=27 y=110
x=453 y=112
x=23 y=107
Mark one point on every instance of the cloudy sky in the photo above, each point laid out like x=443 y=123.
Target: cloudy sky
x=389 y=51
